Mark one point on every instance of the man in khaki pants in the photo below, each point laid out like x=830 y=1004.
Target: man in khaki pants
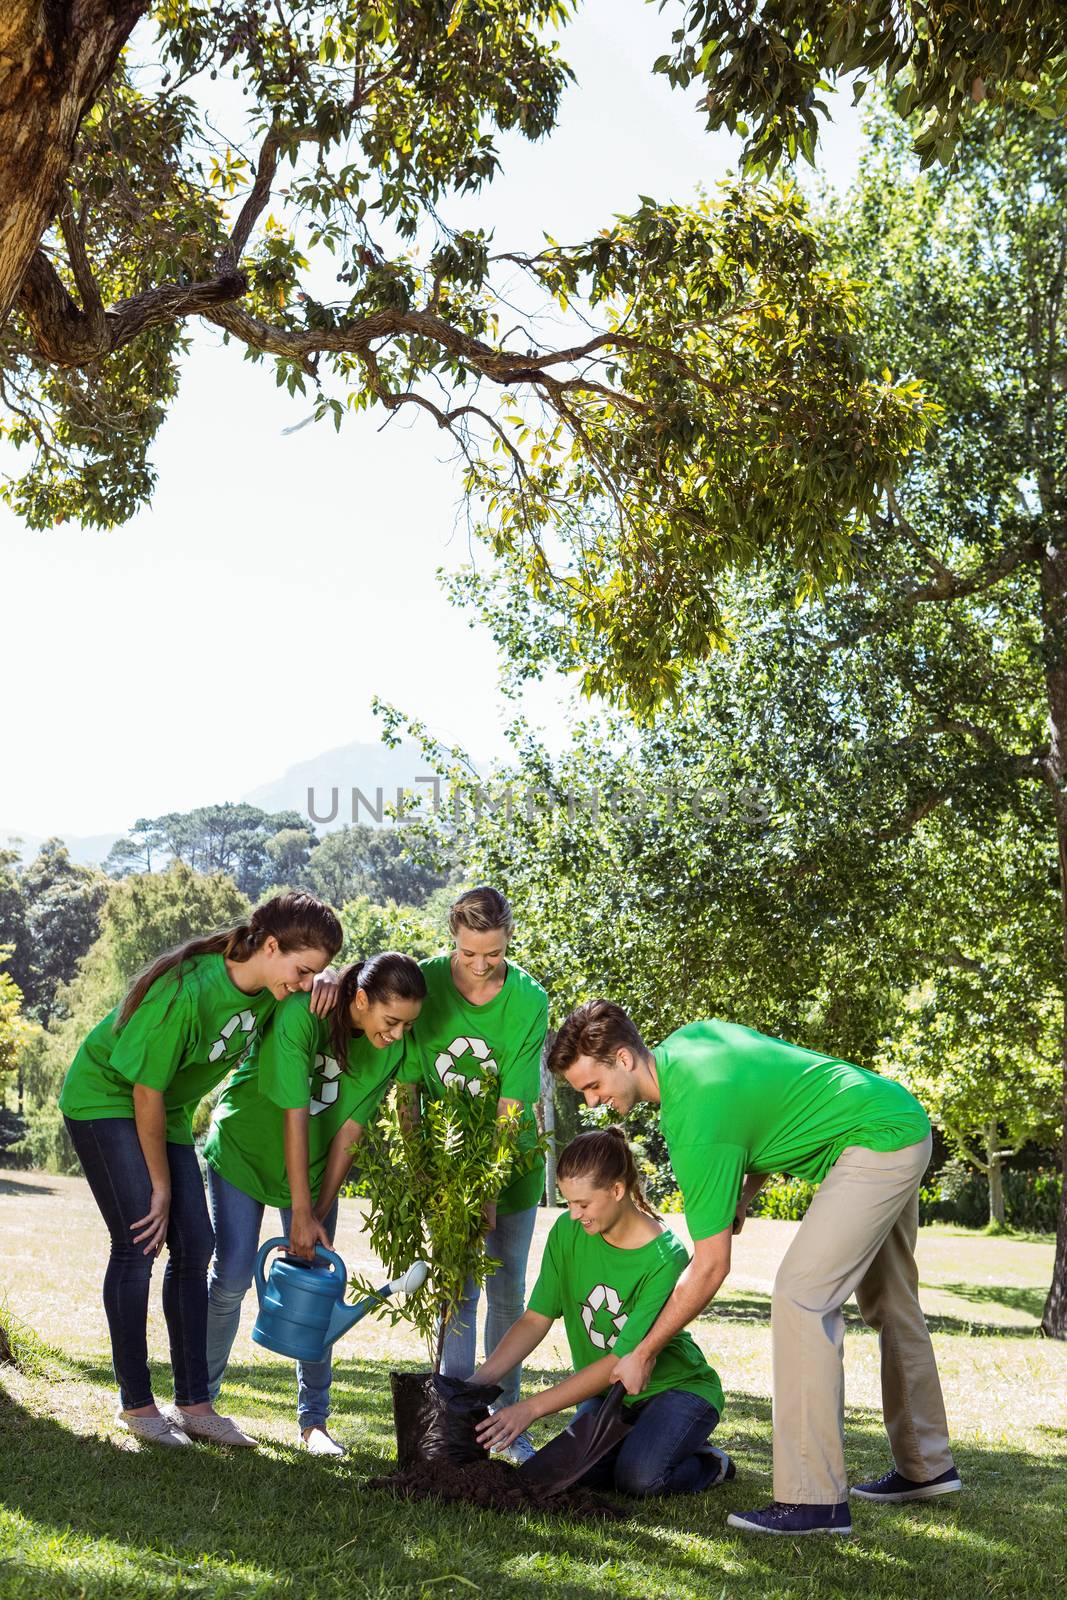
x=736 y=1106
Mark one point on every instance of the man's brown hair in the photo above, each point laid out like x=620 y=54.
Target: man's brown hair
x=598 y=1028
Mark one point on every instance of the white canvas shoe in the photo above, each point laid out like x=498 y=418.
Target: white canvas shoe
x=317 y=1442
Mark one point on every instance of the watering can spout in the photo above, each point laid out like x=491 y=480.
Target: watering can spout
x=342 y=1318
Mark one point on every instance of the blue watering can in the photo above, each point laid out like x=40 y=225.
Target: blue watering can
x=302 y=1306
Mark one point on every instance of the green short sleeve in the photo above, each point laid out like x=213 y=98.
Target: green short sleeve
x=546 y=1298
x=285 y=1053
x=521 y=1076
x=156 y=1039
x=710 y=1178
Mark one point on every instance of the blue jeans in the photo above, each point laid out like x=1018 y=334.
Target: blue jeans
x=658 y=1454
x=505 y=1294
x=111 y=1155
x=238 y=1219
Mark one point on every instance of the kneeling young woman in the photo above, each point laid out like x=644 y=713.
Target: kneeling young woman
x=608 y=1267
x=282 y=1135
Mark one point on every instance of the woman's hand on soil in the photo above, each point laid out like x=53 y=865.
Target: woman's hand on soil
x=324 y=993
x=153 y=1225
x=505 y=1425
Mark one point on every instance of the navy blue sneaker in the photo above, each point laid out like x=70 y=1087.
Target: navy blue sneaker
x=726 y=1473
x=893 y=1487
x=793 y=1521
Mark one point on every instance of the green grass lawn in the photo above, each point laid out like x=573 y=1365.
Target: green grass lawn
x=84 y=1512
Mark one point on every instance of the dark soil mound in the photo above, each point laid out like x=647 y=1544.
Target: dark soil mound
x=495 y=1486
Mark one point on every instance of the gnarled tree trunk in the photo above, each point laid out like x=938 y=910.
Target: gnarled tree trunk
x=53 y=59
x=1054 y=629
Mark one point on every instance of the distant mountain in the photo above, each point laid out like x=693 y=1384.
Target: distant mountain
x=88 y=851
x=309 y=786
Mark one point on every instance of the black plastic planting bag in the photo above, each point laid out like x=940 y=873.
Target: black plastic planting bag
x=436 y=1417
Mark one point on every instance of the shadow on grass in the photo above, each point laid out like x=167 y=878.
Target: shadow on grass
x=756 y=1308
x=1031 y=1301
x=13 y=1186
x=103 y=1521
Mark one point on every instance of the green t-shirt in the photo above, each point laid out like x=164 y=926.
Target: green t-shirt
x=293 y=1065
x=609 y=1298
x=734 y=1101
x=473 y=1047
x=188 y=1032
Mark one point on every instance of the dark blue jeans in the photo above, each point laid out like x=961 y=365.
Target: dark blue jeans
x=657 y=1456
x=110 y=1152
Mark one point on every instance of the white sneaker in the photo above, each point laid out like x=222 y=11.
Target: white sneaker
x=519 y=1450
x=153 y=1430
x=317 y=1442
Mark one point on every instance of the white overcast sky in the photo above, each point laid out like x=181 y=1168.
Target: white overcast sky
x=245 y=620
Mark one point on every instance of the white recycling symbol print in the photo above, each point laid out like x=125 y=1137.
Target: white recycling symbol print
x=240 y=1019
x=325 y=1083
x=603 y=1298
x=461 y=1066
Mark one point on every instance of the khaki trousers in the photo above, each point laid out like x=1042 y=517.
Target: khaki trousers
x=858 y=1237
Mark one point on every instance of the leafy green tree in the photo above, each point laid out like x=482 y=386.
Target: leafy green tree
x=13 y=929
x=360 y=860
x=763 y=67
x=369 y=928
x=922 y=706
x=16 y=1036
x=62 y=905
x=979 y=1060
x=702 y=405
x=11 y=1022
x=289 y=853
x=234 y=839
x=142 y=916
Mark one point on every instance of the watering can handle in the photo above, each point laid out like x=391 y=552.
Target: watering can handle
x=265 y=1249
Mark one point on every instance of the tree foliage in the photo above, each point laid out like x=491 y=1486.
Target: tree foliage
x=369 y=928
x=360 y=860
x=49 y=914
x=763 y=67
x=633 y=413
x=255 y=848
x=142 y=916
x=909 y=718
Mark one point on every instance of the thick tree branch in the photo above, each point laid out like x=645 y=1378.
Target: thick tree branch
x=69 y=337
x=255 y=201
x=503 y=367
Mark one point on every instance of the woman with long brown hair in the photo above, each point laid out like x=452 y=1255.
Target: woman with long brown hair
x=128 y=1102
x=608 y=1267
x=282 y=1135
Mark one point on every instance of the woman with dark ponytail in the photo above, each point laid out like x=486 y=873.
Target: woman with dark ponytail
x=282 y=1135
x=608 y=1267
x=128 y=1102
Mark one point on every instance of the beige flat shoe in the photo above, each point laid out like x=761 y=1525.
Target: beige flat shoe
x=153 y=1430
x=216 y=1430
